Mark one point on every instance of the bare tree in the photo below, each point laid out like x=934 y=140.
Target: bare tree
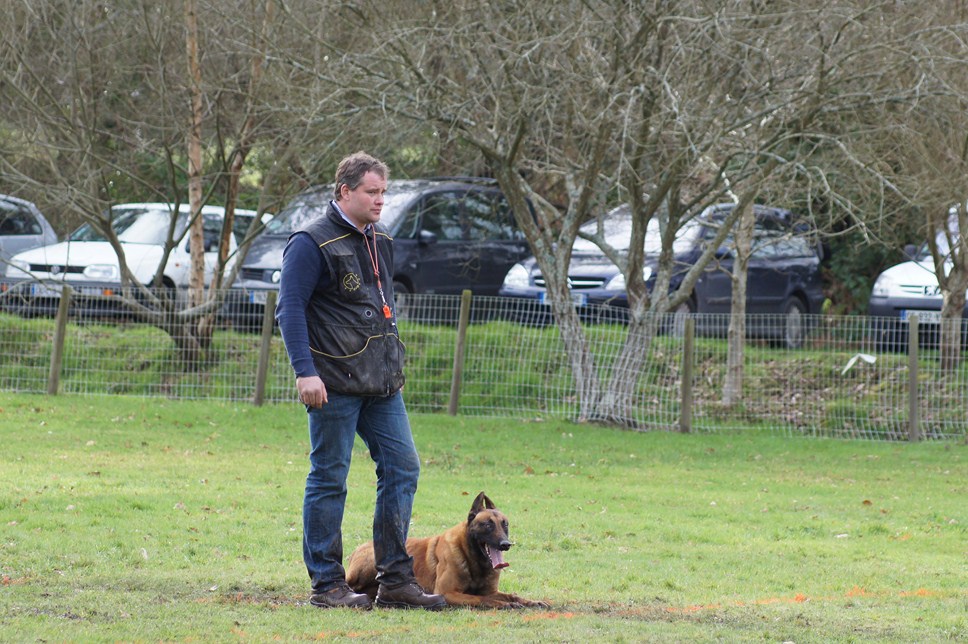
x=911 y=145
x=579 y=105
x=99 y=99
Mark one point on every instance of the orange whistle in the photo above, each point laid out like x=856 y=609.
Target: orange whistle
x=386 y=312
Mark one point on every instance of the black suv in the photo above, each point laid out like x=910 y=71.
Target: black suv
x=784 y=278
x=449 y=234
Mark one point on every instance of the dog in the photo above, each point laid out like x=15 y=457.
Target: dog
x=463 y=563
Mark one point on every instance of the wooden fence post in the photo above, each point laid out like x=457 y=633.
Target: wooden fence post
x=914 y=421
x=268 y=320
x=57 y=351
x=463 y=321
x=685 y=386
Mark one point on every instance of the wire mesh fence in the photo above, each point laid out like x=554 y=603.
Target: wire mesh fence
x=842 y=376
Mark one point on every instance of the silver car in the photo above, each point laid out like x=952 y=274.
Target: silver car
x=22 y=227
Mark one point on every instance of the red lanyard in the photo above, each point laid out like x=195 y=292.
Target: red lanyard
x=375 y=263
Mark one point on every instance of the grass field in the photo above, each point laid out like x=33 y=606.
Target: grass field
x=131 y=519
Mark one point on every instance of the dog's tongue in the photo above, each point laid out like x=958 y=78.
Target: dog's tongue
x=497 y=558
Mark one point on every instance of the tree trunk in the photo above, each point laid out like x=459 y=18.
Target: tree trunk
x=949 y=340
x=583 y=368
x=202 y=333
x=616 y=406
x=736 y=335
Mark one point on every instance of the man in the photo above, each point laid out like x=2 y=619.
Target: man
x=335 y=312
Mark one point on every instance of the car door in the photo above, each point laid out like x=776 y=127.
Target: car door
x=782 y=263
x=179 y=262
x=768 y=276
x=441 y=255
x=495 y=242
x=714 y=289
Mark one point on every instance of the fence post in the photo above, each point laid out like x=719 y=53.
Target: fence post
x=685 y=386
x=268 y=318
x=914 y=421
x=465 y=315
x=57 y=351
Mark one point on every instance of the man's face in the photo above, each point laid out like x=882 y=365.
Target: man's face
x=363 y=204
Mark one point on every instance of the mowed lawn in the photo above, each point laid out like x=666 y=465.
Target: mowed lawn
x=133 y=519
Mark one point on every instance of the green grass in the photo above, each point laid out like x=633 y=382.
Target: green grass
x=131 y=519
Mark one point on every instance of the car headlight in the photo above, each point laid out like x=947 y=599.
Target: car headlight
x=617 y=283
x=101 y=272
x=517 y=277
x=883 y=286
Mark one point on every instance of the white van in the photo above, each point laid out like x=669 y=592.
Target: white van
x=910 y=288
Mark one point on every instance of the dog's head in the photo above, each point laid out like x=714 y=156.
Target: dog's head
x=487 y=529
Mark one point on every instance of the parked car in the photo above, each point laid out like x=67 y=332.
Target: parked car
x=449 y=234
x=89 y=265
x=22 y=227
x=909 y=288
x=783 y=278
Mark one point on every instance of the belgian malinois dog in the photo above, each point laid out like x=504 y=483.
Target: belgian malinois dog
x=463 y=564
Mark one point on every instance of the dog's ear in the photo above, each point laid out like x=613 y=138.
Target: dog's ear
x=481 y=503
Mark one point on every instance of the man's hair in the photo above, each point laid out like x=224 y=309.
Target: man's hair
x=352 y=168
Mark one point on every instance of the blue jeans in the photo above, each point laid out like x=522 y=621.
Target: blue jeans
x=383 y=425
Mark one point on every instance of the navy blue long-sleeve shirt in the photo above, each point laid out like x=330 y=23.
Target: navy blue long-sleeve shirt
x=302 y=269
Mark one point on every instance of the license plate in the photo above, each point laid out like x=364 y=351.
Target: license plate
x=924 y=317
x=257 y=297
x=44 y=290
x=578 y=299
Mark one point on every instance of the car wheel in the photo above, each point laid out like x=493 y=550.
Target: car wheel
x=794 y=323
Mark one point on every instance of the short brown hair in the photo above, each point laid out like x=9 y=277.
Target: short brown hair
x=352 y=168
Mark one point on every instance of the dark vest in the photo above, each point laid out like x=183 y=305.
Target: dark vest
x=356 y=348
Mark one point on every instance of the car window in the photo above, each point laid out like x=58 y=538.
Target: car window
x=617 y=228
x=489 y=217
x=409 y=222
x=212 y=231
x=133 y=225
x=772 y=242
x=302 y=210
x=15 y=220
x=240 y=224
x=440 y=214
x=306 y=207
x=789 y=246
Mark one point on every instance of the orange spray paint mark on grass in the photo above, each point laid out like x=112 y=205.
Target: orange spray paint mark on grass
x=800 y=598
x=535 y=617
x=857 y=591
x=920 y=592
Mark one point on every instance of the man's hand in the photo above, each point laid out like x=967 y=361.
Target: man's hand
x=312 y=391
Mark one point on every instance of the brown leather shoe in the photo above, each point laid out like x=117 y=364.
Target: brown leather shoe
x=408 y=596
x=340 y=597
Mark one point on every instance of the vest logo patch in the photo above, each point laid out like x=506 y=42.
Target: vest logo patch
x=351 y=281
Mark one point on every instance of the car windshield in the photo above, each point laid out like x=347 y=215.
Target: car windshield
x=942 y=240
x=617 y=228
x=309 y=206
x=135 y=226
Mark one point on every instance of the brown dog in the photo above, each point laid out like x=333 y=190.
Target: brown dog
x=463 y=564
